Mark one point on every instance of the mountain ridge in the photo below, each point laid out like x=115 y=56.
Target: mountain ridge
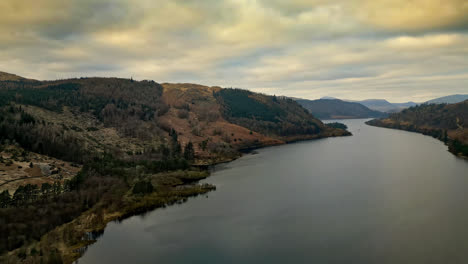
x=449 y=99
x=4 y=76
x=337 y=109
x=384 y=105
x=187 y=106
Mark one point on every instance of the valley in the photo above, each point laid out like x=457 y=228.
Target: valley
x=224 y=131
x=81 y=153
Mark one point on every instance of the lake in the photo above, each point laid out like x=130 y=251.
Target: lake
x=380 y=196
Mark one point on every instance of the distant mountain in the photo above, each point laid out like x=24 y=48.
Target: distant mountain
x=383 y=105
x=380 y=105
x=337 y=109
x=405 y=105
x=448 y=123
x=451 y=99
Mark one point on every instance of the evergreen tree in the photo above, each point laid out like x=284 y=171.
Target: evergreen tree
x=5 y=199
x=189 y=152
x=143 y=187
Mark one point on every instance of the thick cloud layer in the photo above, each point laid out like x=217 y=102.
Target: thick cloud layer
x=394 y=49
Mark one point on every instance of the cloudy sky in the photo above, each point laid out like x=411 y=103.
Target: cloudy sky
x=355 y=49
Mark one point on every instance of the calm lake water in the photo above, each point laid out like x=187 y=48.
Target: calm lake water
x=380 y=196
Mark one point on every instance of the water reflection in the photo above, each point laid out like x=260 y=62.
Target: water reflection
x=381 y=196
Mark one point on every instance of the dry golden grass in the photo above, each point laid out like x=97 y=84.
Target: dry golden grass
x=205 y=114
x=10 y=77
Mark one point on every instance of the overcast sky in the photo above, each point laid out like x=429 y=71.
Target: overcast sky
x=399 y=50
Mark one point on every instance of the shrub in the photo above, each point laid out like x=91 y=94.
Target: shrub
x=163 y=110
x=197 y=131
x=143 y=187
x=338 y=125
x=217 y=132
x=164 y=126
x=92 y=129
x=183 y=114
x=184 y=106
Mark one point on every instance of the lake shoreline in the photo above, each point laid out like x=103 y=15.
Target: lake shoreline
x=71 y=247
x=426 y=132
x=260 y=198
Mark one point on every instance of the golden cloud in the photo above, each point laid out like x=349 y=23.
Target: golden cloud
x=413 y=15
x=292 y=44
x=425 y=42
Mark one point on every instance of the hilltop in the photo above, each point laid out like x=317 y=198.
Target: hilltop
x=337 y=109
x=446 y=122
x=4 y=76
x=450 y=99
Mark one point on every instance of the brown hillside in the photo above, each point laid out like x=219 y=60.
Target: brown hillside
x=196 y=115
x=133 y=119
x=10 y=77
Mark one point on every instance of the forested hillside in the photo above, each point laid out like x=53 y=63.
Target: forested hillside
x=77 y=153
x=447 y=122
x=268 y=115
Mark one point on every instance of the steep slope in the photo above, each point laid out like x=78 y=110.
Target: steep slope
x=4 y=76
x=81 y=116
x=451 y=99
x=447 y=122
x=122 y=116
x=239 y=118
x=337 y=109
x=281 y=118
